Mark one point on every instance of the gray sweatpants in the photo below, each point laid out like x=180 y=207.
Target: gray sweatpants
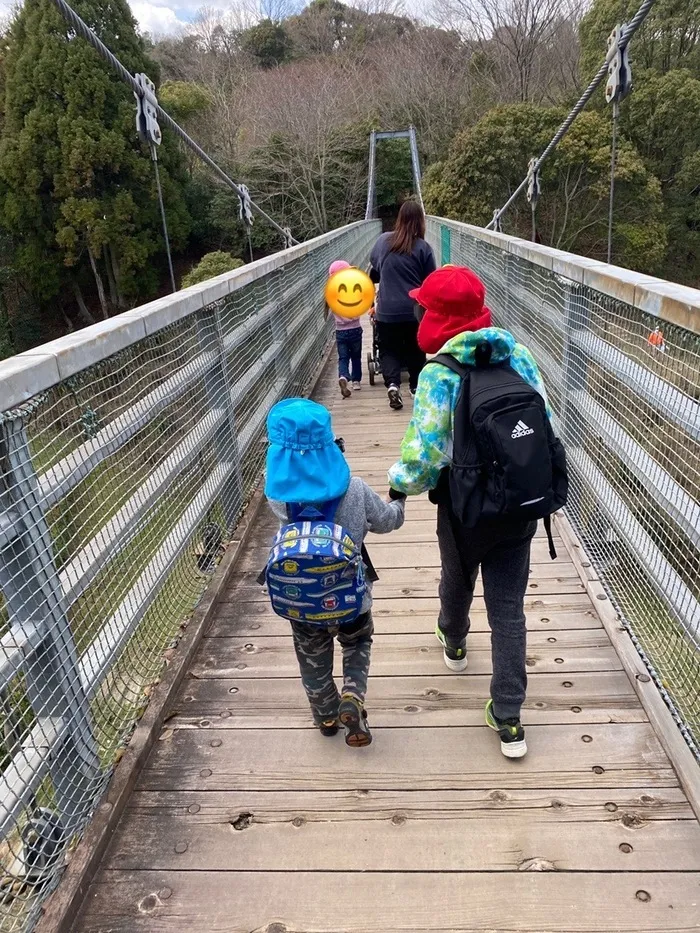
x=503 y=553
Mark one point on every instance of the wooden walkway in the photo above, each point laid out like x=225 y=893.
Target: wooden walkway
x=246 y=820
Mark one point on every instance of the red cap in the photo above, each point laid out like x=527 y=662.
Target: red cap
x=453 y=298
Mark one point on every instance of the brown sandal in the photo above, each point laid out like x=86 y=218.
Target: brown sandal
x=353 y=716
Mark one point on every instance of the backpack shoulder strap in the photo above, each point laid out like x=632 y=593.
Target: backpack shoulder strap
x=449 y=362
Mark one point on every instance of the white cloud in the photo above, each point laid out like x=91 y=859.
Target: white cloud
x=156 y=19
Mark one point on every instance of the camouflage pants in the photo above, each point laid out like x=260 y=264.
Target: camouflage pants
x=314 y=648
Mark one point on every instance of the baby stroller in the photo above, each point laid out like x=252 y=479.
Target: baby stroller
x=374 y=366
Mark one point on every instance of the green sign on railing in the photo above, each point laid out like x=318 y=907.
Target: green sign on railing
x=445 y=245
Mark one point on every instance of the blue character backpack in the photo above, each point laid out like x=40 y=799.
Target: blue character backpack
x=315 y=571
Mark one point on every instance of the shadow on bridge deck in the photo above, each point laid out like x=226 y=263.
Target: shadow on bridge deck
x=246 y=820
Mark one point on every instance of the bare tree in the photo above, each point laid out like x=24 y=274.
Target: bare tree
x=513 y=37
x=304 y=143
x=384 y=7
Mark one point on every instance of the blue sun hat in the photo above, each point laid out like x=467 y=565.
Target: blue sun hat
x=304 y=464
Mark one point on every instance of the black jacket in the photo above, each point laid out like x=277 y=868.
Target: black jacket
x=397 y=274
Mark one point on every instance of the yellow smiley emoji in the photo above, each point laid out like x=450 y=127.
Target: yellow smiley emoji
x=349 y=293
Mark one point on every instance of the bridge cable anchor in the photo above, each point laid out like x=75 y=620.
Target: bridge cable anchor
x=150 y=133
x=245 y=214
x=534 y=189
x=618 y=86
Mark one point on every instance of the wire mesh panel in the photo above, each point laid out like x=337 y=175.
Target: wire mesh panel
x=119 y=486
x=625 y=389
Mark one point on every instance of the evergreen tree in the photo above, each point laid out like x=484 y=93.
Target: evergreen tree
x=488 y=160
x=78 y=193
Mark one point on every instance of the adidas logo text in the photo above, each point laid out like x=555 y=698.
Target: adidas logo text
x=521 y=430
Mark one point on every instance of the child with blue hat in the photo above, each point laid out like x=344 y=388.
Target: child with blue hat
x=306 y=467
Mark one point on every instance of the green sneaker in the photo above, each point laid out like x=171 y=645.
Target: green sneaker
x=510 y=732
x=454 y=656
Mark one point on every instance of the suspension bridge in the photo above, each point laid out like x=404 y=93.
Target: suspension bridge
x=160 y=768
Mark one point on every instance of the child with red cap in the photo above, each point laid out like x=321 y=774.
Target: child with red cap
x=456 y=322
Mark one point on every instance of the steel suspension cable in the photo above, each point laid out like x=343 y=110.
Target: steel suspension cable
x=630 y=30
x=82 y=28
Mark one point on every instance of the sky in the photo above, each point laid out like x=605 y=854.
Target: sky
x=158 y=17
x=163 y=17
x=168 y=17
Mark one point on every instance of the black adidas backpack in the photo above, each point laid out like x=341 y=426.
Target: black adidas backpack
x=506 y=460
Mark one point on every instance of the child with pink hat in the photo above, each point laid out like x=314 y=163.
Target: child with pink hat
x=348 y=336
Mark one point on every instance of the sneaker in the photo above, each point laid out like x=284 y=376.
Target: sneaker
x=510 y=731
x=454 y=656
x=353 y=716
x=356 y=386
x=344 y=391
x=395 y=400
x=329 y=727
x=411 y=393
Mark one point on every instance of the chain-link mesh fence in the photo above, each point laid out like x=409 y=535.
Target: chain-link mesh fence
x=119 y=487
x=625 y=389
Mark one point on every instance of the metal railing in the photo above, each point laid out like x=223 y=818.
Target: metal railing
x=127 y=454
x=620 y=355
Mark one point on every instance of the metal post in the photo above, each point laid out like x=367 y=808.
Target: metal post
x=30 y=584
x=369 y=210
x=576 y=317
x=218 y=386
x=415 y=163
x=613 y=160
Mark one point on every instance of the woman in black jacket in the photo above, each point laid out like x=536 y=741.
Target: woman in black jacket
x=400 y=261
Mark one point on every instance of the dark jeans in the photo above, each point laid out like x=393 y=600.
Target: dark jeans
x=503 y=553
x=398 y=345
x=350 y=353
x=314 y=648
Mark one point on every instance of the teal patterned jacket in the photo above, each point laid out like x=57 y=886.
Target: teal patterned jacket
x=427 y=444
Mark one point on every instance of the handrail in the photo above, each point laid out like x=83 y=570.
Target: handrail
x=676 y=304
x=27 y=374
x=180 y=387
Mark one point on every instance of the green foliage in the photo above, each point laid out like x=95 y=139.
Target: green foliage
x=488 y=160
x=6 y=344
x=669 y=38
x=78 y=191
x=184 y=99
x=662 y=117
x=394 y=172
x=267 y=42
x=210 y=265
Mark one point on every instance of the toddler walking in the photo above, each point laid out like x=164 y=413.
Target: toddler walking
x=348 y=336
x=315 y=572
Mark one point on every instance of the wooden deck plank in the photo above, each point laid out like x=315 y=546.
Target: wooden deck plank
x=242 y=618
x=408 y=702
x=239 y=616
x=413 y=834
x=383 y=902
x=565 y=652
x=631 y=808
x=388 y=556
x=591 y=755
x=411 y=583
